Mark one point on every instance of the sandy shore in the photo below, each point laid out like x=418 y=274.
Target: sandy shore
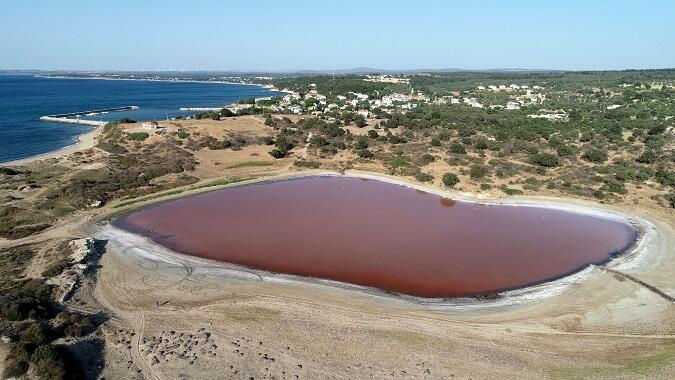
x=84 y=141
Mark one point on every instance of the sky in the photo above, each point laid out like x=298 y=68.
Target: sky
x=267 y=35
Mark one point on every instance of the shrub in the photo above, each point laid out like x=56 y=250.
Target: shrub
x=657 y=129
x=307 y=164
x=50 y=369
x=397 y=139
x=665 y=177
x=43 y=352
x=8 y=171
x=182 y=134
x=33 y=335
x=450 y=179
x=613 y=186
x=266 y=140
x=269 y=121
x=478 y=171
x=361 y=143
x=283 y=144
x=426 y=159
x=318 y=141
x=14 y=369
x=545 y=159
x=424 y=177
x=227 y=113
x=56 y=268
x=372 y=134
x=457 y=148
x=647 y=157
x=364 y=153
x=485 y=186
x=126 y=120
x=435 y=142
x=277 y=153
x=595 y=155
x=671 y=200
x=137 y=136
x=481 y=144
x=566 y=150
x=359 y=121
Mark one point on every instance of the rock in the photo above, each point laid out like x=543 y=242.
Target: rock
x=96 y=204
x=82 y=248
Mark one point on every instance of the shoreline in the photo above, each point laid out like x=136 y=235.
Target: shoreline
x=165 y=80
x=634 y=256
x=84 y=141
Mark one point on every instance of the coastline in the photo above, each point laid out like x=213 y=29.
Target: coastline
x=88 y=139
x=84 y=141
x=167 y=80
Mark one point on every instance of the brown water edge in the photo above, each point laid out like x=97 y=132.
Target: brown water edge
x=377 y=234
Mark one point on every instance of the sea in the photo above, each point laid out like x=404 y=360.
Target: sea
x=24 y=98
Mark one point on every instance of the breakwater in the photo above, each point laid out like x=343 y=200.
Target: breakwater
x=74 y=117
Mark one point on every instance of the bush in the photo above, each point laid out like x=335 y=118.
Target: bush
x=33 y=335
x=137 y=136
x=595 y=155
x=372 y=134
x=435 y=142
x=485 y=186
x=318 y=141
x=665 y=177
x=478 y=171
x=426 y=159
x=56 y=268
x=43 y=352
x=671 y=200
x=277 y=153
x=364 y=153
x=397 y=139
x=424 y=177
x=14 y=369
x=182 y=134
x=8 y=171
x=481 y=144
x=269 y=121
x=50 y=370
x=227 y=113
x=307 y=164
x=450 y=179
x=361 y=143
x=566 y=150
x=545 y=159
x=126 y=120
x=647 y=157
x=283 y=144
x=266 y=140
x=457 y=148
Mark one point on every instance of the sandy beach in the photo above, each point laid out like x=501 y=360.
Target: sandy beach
x=84 y=141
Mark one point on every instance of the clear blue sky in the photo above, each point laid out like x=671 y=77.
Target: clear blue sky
x=292 y=35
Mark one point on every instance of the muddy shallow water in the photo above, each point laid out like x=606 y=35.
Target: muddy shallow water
x=383 y=235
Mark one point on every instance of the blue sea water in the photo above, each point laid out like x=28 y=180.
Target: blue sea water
x=24 y=98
